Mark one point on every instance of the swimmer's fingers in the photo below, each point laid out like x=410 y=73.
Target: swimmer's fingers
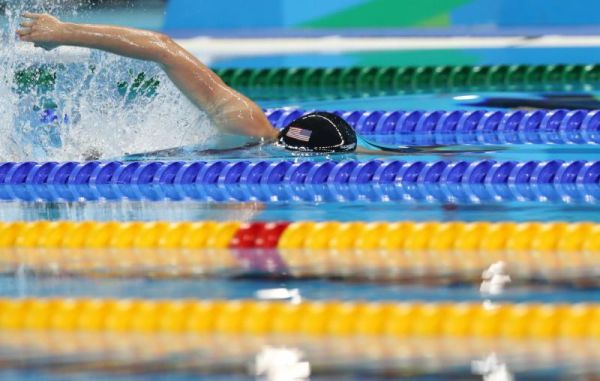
x=24 y=33
x=26 y=24
x=31 y=15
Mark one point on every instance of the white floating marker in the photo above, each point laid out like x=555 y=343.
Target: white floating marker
x=293 y=295
x=280 y=364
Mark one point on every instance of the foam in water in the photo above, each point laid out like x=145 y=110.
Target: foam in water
x=89 y=113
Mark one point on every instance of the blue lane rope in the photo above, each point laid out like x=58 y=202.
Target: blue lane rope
x=468 y=127
x=375 y=180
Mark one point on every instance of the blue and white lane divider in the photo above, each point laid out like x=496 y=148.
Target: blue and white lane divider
x=468 y=127
x=271 y=181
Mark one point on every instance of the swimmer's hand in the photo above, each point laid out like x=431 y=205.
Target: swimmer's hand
x=43 y=30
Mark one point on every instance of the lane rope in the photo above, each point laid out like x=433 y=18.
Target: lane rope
x=425 y=128
x=409 y=236
x=376 y=251
x=333 y=81
x=313 y=319
x=284 y=180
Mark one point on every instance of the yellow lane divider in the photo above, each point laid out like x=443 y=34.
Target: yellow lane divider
x=433 y=236
x=438 y=236
x=315 y=319
x=553 y=251
x=77 y=235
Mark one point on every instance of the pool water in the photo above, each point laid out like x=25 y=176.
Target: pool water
x=425 y=284
x=546 y=277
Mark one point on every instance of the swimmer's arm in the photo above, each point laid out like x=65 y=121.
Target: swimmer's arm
x=200 y=84
x=367 y=151
x=400 y=151
x=427 y=150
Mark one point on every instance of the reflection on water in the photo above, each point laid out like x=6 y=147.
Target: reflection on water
x=153 y=285
x=67 y=355
x=365 y=210
x=129 y=211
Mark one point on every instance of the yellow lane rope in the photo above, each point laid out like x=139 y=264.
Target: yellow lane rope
x=315 y=319
x=382 y=250
x=436 y=236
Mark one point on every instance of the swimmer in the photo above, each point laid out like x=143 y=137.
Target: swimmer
x=227 y=109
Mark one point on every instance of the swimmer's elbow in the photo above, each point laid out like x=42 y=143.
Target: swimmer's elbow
x=248 y=128
x=164 y=40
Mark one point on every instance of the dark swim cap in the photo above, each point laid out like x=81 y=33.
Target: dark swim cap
x=318 y=132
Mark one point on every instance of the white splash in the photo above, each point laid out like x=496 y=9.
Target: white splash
x=492 y=368
x=281 y=364
x=89 y=114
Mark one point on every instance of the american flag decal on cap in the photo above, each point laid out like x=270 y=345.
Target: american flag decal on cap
x=299 y=134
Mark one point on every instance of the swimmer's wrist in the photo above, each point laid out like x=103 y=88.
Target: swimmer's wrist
x=67 y=32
